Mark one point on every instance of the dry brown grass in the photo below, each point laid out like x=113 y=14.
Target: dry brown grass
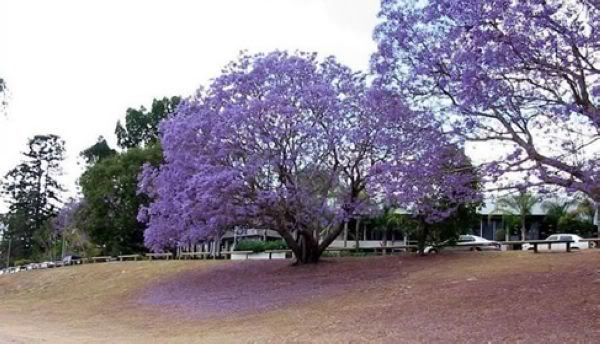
x=486 y=297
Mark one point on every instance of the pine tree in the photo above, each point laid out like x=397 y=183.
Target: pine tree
x=34 y=193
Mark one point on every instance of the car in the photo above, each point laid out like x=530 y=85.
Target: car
x=71 y=260
x=46 y=265
x=465 y=243
x=577 y=244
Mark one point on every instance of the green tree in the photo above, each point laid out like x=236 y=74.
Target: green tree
x=461 y=222
x=98 y=151
x=572 y=223
x=578 y=220
x=141 y=125
x=112 y=202
x=521 y=205
x=391 y=220
x=586 y=209
x=555 y=211
x=109 y=185
x=33 y=193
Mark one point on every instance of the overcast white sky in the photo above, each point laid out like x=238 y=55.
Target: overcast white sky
x=74 y=67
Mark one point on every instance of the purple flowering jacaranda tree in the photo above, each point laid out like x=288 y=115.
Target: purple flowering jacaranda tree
x=66 y=217
x=525 y=74
x=286 y=142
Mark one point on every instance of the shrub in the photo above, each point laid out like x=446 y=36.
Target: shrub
x=21 y=262
x=572 y=224
x=260 y=246
x=275 y=245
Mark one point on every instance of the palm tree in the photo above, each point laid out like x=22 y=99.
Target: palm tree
x=586 y=209
x=556 y=210
x=521 y=205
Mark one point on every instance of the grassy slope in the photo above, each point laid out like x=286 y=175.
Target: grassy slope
x=462 y=298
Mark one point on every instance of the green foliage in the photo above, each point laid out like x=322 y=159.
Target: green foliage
x=392 y=220
x=141 y=125
x=511 y=223
x=33 y=193
x=20 y=245
x=91 y=251
x=355 y=254
x=22 y=261
x=460 y=222
x=562 y=218
x=572 y=223
x=109 y=185
x=98 y=151
x=586 y=209
x=110 y=191
x=330 y=254
x=47 y=243
x=554 y=212
x=520 y=206
x=260 y=246
x=77 y=241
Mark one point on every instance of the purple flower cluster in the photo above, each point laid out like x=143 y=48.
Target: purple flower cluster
x=66 y=217
x=521 y=73
x=289 y=142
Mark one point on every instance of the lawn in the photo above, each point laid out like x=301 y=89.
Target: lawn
x=472 y=297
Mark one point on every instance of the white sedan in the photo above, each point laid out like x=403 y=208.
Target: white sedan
x=465 y=243
x=576 y=244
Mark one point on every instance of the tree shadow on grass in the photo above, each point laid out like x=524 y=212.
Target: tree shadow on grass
x=240 y=288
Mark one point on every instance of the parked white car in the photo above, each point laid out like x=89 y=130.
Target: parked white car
x=45 y=265
x=465 y=243
x=577 y=244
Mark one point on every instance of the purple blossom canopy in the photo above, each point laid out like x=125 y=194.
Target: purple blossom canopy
x=288 y=142
x=66 y=217
x=521 y=73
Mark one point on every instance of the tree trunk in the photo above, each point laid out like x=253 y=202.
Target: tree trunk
x=422 y=238
x=308 y=251
x=345 y=233
x=305 y=247
x=356 y=233
x=384 y=250
x=523 y=229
